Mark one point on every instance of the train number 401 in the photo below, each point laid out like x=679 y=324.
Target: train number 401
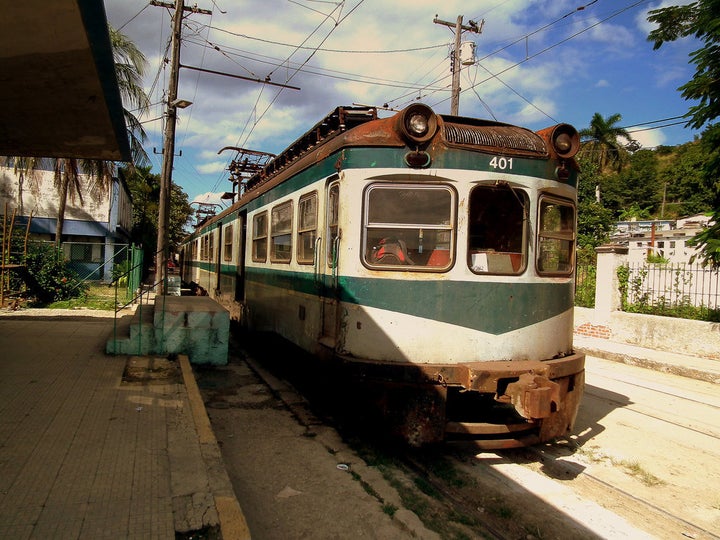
x=501 y=163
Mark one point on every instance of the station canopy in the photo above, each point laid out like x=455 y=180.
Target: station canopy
x=59 y=96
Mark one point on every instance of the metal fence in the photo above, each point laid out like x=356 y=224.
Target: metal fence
x=672 y=286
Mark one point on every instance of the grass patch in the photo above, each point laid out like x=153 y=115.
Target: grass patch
x=635 y=469
x=98 y=296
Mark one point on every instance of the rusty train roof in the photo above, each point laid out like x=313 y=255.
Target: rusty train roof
x=360 y=126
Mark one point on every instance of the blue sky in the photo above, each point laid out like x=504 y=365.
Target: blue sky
x=538 y=63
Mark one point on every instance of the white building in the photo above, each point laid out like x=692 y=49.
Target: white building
x=94 y=231
x=664 y=238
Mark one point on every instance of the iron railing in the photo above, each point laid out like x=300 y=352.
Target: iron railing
x=679 y=290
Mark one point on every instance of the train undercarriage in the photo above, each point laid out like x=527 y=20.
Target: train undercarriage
x=504 y=404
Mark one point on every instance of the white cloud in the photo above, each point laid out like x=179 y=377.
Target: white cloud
x=567 y=80
x=650 y=138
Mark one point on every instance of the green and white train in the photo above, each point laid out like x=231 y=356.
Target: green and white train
x=427 y=255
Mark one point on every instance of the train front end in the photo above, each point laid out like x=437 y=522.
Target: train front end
x=456 y=277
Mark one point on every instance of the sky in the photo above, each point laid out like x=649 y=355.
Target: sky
x=537 y=63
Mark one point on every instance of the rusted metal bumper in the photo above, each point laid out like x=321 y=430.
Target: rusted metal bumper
x=542 y=397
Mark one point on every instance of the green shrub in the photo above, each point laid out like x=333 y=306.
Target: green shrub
x=48 y=277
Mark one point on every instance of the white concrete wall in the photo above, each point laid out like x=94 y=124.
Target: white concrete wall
x=670 y=334
x=40 y=196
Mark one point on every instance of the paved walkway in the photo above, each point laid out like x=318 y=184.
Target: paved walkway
x=84 y=454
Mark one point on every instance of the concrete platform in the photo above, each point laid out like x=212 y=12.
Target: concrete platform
x=193 y=325
x=87 y=451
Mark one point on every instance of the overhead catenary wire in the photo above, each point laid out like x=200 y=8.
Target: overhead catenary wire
x=280 y=90
x=550 y=47
x=321 y=72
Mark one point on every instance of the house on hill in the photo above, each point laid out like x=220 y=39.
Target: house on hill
x=664 y=238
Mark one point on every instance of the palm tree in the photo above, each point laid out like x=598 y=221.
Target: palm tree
x=601 y=144
x=130 y=66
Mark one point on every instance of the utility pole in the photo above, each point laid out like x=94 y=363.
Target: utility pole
x=163 y=244
x=472 y=26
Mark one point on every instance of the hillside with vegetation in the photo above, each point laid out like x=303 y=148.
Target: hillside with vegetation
x=667 y=182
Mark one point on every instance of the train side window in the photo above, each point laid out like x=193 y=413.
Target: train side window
x=307 y=228
x=228 y=243
x=556 y=237
x=260 y=237
x=409 y=227
x=281 y=232
x=497 y=223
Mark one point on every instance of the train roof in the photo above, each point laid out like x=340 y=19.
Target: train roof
x=470 y=133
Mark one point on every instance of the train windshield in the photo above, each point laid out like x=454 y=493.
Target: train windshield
x=409 y=226
x=497 y=224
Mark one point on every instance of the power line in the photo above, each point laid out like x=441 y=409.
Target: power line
x=321 y=72
x=277 y=95
x=656 y=121
x=340 y=51
x=546 y=49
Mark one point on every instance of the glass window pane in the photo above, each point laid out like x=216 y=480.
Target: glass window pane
x=259 y=249
x=281 y=232
x=556 y=237
x=497 y=230
x=409 y=227
x=307 y=228
x=228 y=238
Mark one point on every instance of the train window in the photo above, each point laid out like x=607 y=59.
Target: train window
x=281 y=232
x=307 y=228
x=556 y=237
x=332 y=223
x=260 y=237
x=228 y=242
x=204 y=248
x=497 y=229
x=409 y=227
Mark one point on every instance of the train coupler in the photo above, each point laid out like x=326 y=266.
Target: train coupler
x=533 y=396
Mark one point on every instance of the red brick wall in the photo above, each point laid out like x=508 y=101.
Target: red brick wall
x=594 y=330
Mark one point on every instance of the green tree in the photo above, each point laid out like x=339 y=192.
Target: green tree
x=684 y=190
x=700 y=19
x=595 y=222
x=601 y=144
x=144 y=187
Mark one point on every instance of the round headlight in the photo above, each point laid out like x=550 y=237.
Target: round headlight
x=565 y=140
x=563 y=143
x=418 y=123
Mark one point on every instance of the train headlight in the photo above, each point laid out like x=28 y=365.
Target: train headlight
x=417 y=123
x=565 y=140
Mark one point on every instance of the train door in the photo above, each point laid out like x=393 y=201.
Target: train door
x=240 y=267
x=217 y=253
x=327 y=266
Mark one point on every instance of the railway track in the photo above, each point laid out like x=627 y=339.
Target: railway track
x=478 y=498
